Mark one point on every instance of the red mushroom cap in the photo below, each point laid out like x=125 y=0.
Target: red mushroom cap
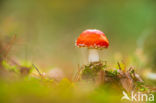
x=92 y=38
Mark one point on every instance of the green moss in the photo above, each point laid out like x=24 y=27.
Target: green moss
x=91 y=70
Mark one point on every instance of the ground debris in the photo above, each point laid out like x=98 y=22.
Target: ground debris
x=99 y=73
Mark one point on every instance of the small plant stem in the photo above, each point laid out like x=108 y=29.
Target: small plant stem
x=37 y=70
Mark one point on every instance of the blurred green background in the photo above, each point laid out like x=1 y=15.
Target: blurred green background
x=47 y=29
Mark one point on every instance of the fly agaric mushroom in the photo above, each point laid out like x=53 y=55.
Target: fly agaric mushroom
x=92 y=39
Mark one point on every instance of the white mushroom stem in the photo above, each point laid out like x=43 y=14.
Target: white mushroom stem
x=93 y=55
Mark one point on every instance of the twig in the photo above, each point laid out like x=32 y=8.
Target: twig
x=37 y=70
x=119 y=65
x=76 y=78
